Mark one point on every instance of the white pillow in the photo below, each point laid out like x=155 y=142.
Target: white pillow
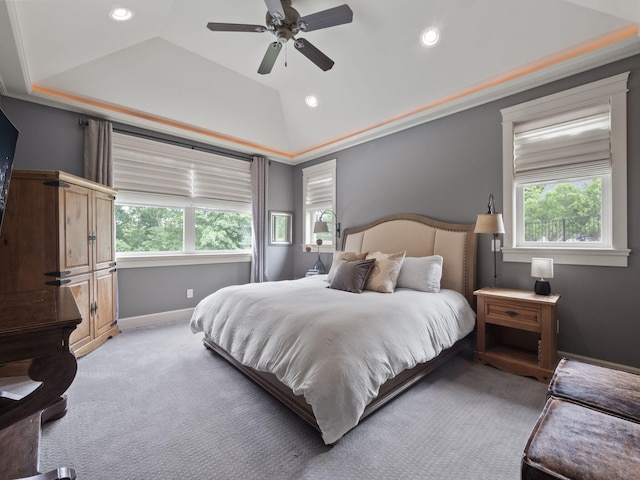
x=421 y=273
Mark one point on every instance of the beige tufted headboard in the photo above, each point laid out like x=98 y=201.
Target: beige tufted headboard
x=421 y=236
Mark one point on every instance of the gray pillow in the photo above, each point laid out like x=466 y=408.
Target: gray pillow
x=351 y=276
x=421 y=273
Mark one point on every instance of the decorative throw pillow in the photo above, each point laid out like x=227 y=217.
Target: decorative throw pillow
x=351 y=276
x=340 y=255
x=384 y=276
x=421 y=273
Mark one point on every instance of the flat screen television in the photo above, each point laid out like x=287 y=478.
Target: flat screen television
x=8 y=141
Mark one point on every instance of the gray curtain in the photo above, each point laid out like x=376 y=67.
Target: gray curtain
x=259 y=182
x=98 y=164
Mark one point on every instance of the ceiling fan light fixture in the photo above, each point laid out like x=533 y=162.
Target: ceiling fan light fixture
x=121 y=14
x=430 y=36
x=311 y=100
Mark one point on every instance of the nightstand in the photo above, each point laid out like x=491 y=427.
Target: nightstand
x=517 y=331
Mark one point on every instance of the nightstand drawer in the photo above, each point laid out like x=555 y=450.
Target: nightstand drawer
x=510 y=314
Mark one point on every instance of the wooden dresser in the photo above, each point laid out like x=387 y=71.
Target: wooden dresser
x=58 y=232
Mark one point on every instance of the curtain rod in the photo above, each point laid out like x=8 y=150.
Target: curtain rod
x=218 y=151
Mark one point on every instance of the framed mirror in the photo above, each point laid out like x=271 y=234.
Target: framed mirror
x=281 y=228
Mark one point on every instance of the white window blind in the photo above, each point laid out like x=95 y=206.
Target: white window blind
x=571 y=144
x=155 y=173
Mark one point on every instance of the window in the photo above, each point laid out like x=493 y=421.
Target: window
x=177 y=205
x=564 y=166
x=319 y=193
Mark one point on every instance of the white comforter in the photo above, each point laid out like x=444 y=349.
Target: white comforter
x=333 y=347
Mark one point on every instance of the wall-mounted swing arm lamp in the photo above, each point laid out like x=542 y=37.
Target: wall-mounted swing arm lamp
x=491 y=222
x=320 y=226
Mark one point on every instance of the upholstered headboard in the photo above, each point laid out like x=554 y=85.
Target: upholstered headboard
x=422 y=236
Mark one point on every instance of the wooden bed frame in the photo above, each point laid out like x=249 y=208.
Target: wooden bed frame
x=419 y=236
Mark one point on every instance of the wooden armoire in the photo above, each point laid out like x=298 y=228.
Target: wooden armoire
x=58 y=232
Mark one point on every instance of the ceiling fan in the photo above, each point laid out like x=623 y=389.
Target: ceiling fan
x=285 y=22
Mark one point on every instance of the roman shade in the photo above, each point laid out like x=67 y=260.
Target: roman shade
x=570 y=144
x=149 y=172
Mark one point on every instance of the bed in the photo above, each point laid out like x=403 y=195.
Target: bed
x=334 y=357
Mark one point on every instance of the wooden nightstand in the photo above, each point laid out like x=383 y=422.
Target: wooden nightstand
x=517 y=331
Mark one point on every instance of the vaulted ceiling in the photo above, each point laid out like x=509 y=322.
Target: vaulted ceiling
x=164 y=70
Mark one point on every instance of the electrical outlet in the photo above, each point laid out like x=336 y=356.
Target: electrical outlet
x=189 y=292
x=495 y=245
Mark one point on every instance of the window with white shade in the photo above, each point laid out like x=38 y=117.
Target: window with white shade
x=319 y=194
x=174 y=202
x=564 y=167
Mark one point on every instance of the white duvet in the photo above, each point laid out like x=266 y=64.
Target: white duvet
x=335 y=348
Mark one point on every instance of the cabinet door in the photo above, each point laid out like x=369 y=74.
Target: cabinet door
x=75 y=252
x=104 y=231
x=105 y=311
x=81 y=287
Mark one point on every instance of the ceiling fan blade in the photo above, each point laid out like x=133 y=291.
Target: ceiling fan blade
x=275 y=9
x=235 y=27
x=270 y=58
x=327 y=18
x=312 y=53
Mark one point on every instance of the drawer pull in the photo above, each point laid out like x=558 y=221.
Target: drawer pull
x=511 y=313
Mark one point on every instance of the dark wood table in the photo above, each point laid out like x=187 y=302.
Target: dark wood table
x=35 y=326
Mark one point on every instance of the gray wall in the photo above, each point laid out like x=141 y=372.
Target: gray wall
x=447 y=168
x=444 y=169
x=51 y=139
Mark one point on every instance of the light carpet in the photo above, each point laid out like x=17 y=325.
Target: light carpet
x=154 y=403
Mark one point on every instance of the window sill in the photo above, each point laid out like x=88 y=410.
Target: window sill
x=603 y=257
x=176 y=259
x=324 y=248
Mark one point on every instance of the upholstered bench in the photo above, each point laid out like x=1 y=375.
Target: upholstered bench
x=603 y=388
x=589 y=428
x=572 y=441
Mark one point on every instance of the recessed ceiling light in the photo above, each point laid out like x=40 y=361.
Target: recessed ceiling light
x=121 y=14
x=311 y=100
x=430 y=36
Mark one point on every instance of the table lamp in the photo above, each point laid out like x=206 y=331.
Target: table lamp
x=542 y=268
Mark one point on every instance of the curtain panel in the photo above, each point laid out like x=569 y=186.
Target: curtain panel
x=98 y=163
x=259 y=183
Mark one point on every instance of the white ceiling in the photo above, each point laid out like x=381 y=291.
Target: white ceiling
x=166 y=71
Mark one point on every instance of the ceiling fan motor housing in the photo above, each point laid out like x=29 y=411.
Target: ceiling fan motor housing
x=285 y=29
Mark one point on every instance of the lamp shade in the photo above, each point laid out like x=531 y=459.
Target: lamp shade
x=320 y=227
x=542 y=267
x=489 y=223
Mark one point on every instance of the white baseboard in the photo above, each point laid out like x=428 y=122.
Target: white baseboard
x=155 y=319
x=602 y=363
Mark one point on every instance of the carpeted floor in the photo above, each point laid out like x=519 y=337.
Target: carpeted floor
x=154 y=403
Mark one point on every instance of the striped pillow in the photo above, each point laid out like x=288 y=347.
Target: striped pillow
x=421 y=273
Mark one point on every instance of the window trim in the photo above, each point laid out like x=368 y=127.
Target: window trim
x=133 y=145
x=320 y=169
x=612 y=90
x=141 y=260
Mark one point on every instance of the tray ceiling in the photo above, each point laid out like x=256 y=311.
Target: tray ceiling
x=164 y=70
